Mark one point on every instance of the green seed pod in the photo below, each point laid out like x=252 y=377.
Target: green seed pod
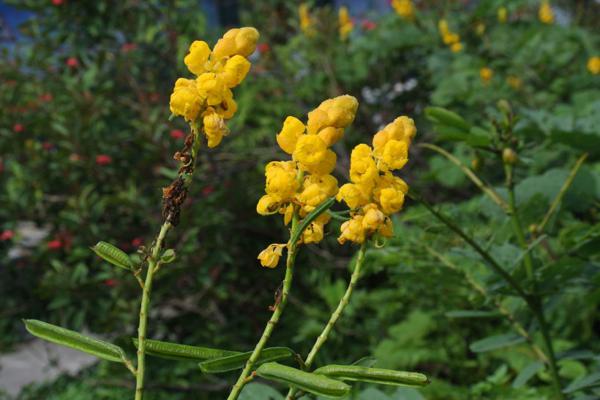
x=113 y=255
x=309 y=382
x=237 y=361
x=373 y=375
x=176 y=351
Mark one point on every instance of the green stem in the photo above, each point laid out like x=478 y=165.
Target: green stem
x=516 y=221
x=539 y=315
x=141 y=352
x=335 y=316
x=278 y=310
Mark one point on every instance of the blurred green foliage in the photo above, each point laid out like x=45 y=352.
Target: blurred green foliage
x=86 y=145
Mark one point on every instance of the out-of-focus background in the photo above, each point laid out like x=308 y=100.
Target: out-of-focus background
x=86 y=145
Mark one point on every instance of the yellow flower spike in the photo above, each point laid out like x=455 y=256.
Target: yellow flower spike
x=593 y=65
x=185 y=100
x=267 y=205
x=306 y=22
x=486 y=75
x=395 y=155
x=270 y=256
x=292 y=130
x=391 y=200
x=352 y=231
x=212 y=87
x=214 y=128
x=345 y=23
x=281 y=180
x=545 y=13
x=502 y=15
x=235 y=70
x=197 y=57
x=404 y=8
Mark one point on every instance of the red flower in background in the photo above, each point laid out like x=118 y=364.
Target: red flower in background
x=17 y=128
x=103 y=159
x=46 y=97
x=368 y=25
x=177 y=134
x=54 y=244
x=57 y=2
x=47 y=146
x=111 y=282
x=207 y=190
x=127 y=47
x=72 y=62
x=263 y=48
x=6 y=235
x=154 y=97
x=137 y=242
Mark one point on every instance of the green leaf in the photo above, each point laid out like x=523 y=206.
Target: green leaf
x=168 y=256
x=439 y=115
x=527 y=373
x=471 y=314
x=74 y=340
x=321 y=208
x=176 y=351
x=237 y=361
x=373 y=375
x=260 y=391
x=495 y=342
x=113 y=255
x=592 y=380
x=309 y=382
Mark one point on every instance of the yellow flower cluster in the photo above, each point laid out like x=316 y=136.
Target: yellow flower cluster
x=404 y=8
x=502 y=15
x=449 y=38
x=593 y=65
x=306 y=22
x=209 y=96
x=545 y=13
x=345 y=23
x=374 y=193
x=486 y=75
x=301 y=184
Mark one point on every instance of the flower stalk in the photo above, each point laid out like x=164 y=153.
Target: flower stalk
x=335 y=316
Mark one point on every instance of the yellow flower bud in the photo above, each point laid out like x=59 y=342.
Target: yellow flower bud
x=352 y=195
x=391 y=200
x=486 y=74
x=197 y=57
x=363 y=169
x=394 y=156
x=281 y=180
x=185 y=99
x=338 y=112
x=331 y=135
x=214 y=128
x=352 y=230
x=593 y=65
x=373 y=218
x=345 y=23
x=404 y=8
x=267 y=205
x=228 y=106
x=313 y=233
x=312 y=154
x=270 y=256
x=238 y=41
x=545 y=13
x=211 y=87
x=235 y=70
x=456 y=47
x=292 y=130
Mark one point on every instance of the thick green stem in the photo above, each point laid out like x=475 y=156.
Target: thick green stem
x=516 y=221
x=336 y=314
x=278 y=310
x=141 y=352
